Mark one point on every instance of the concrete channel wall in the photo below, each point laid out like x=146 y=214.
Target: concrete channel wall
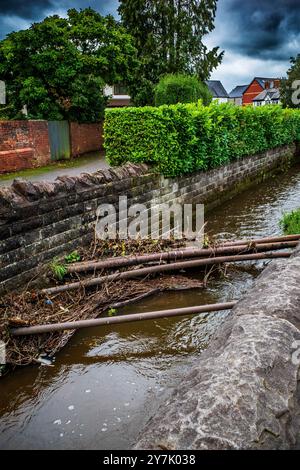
x=244 y=391
x=39 y=221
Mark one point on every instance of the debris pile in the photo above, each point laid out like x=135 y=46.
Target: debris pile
x=80 y=294
x=31 y=307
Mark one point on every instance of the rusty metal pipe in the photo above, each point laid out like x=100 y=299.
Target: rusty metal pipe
x=76 y=325
x=164 y=268
x=91 y=266
x=257 y=241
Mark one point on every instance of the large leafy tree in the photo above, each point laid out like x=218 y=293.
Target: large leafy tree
x=58 y=68
x=290 y=87
x=169 y=37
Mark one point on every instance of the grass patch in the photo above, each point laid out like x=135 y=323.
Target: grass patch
x=58 y=269
x=290 y=222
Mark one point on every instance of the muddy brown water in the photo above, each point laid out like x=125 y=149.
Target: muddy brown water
x=107 y=382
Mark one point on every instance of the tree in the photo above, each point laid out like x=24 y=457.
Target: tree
x=58 y=68
x=290 y=87
x=169 y=35
x=180 y=88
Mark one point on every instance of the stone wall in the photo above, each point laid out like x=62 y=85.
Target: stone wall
x=214 y=186
x=41 y=220
x=244 y=391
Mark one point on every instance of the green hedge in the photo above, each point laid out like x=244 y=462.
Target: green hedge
x=184 y=138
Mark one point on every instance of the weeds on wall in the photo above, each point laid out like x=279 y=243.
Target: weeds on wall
x=59 y=267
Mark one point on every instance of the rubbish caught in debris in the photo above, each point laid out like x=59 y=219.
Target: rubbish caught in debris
x=45 y=360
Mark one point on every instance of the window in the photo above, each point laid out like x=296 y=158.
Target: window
x=120 y=89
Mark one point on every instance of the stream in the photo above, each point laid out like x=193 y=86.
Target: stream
x=107 y=382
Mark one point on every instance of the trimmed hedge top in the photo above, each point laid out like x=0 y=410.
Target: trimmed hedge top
x=181 y=88
x=185 y=138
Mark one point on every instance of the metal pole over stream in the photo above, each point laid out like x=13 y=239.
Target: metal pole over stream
x=164 y=268
x=243 y=246
x=76 y=325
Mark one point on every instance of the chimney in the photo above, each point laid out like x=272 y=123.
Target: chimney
x=267 y=85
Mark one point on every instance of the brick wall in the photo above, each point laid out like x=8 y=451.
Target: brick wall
x=40 y=142
x=85 y=138
x=41 y=220
x=14 y=160
x=14 y=135
x=23 y=144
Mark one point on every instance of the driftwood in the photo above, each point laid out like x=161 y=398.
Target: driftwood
x=164 y=268
x=126 y=261
x=29 y=309
x=75 y=325
x=136 y=299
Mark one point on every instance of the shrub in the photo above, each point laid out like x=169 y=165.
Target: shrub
x=4 y=113
x=180 y=88
x=183 y=138
x=290 y=222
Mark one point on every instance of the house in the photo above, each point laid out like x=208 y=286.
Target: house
x=257 y=86
x=217 y=90
x=119 y=95
x=271 y=96
x=236 y=95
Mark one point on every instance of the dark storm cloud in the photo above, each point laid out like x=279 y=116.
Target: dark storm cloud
x=19 y=14
x=256 y=28
x=258 y=36
x=261 y=28
x=23 y=9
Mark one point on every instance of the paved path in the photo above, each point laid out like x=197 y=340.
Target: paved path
x=88 y=163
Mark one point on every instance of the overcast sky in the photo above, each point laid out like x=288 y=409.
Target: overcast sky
x=258 y=36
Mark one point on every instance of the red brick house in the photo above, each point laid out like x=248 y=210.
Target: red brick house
x=258 y=85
